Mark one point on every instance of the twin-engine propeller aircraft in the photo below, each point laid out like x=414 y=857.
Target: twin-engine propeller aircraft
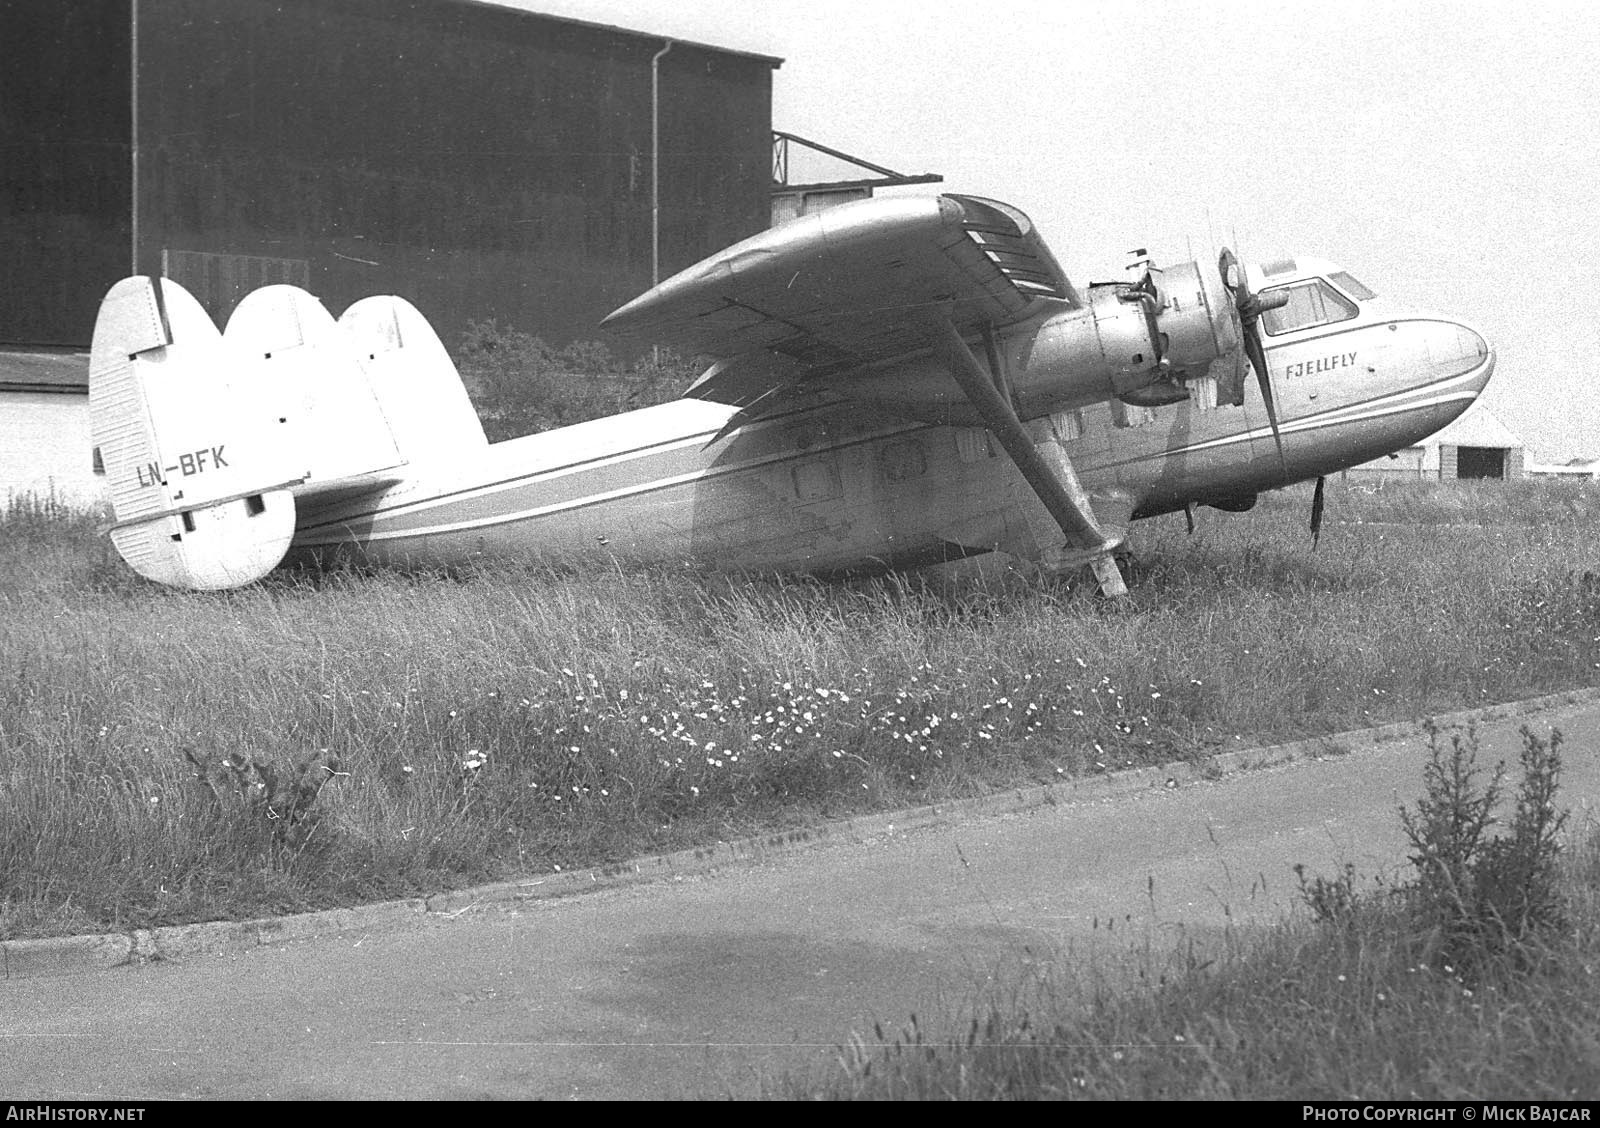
x=895 y=382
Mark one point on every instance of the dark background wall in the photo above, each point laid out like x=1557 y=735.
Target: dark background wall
x=479 y=161
x=65 y=189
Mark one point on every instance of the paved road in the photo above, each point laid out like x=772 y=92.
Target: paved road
x=700 y=986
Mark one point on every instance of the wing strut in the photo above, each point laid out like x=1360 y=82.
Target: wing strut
x=1044 y=466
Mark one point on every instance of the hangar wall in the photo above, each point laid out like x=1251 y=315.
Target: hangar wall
x=65 y=188
x=481 y=161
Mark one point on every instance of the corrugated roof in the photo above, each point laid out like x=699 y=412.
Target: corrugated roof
x=35 y=371
x=1477 y=428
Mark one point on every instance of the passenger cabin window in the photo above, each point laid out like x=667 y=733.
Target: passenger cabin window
x=1310 y=303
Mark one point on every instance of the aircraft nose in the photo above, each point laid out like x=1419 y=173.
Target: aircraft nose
x=1472 y=342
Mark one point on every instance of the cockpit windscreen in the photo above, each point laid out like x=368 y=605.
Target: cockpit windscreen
x=1311 y=303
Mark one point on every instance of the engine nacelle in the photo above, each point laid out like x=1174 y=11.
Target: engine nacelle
x=1139 y=341
x=1197 y=318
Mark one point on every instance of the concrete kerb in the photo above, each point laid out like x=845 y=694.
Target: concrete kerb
x=68 y=954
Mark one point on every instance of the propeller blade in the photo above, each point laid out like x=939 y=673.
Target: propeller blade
x=1232 y=276
x=1316 y=513
x=1258 y=361
x=1250 y=307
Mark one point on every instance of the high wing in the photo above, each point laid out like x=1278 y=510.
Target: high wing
x=852 y=286
x=861 y=285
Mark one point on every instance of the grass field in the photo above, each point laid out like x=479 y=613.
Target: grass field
x=319 y=740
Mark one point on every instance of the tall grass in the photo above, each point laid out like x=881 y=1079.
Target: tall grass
x=510 y=719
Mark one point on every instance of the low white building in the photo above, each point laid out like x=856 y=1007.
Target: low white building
x=1578 y=469
x=1477 y=445
x=45 y=448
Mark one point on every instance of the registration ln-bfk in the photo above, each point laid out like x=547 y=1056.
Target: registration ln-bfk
x=892 y=383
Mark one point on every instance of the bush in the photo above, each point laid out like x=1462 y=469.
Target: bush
x=521 y=384
x=1478 y=896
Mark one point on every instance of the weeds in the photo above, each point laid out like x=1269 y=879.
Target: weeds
x=32 y=512
x=244 y=789
x=1332 y=900
x=1479 y=897
x=1476 y=897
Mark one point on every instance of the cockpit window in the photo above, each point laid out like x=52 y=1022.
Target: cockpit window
x=1310 y=303
x=1350 y=286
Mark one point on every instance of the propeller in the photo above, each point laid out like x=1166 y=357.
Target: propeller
x=1250 y=306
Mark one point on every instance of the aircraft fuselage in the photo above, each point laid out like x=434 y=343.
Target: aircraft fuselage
x=835 y=486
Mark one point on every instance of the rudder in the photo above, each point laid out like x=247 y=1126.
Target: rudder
x=307 y=382
x=412 y=376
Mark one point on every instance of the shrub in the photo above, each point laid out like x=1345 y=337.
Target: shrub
x=521 y=384
x=1477 y=896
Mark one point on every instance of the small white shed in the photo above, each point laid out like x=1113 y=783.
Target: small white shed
x=45 y=448
x=1477 y=445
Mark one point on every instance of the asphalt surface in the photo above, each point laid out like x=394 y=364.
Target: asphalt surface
x=728 y=968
